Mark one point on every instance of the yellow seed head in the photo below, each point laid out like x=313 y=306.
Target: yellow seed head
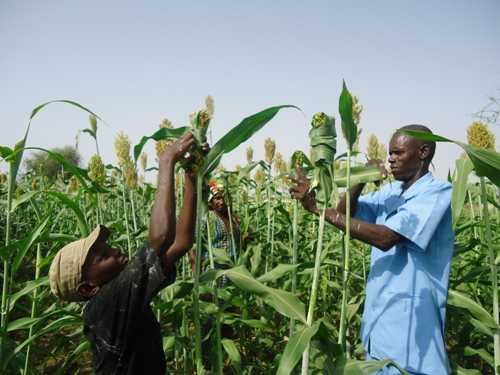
x=356 y=110
x=259 y=176
x=144 y=161
x=35 y=185
x=74 y=184
x=203 y=119
x=270 y=148
x=198 y=161
x=249 y=154
x=161 y=146
x=97 y=169
x=232 y=178
x=19 y=191
x=237 y=168
x=319 y=119
x=479 y=136
x=93 y=123
x=278 y=160
x=258 y=190
x=3 y=177
x=122 y=147
x=209 y=104
x=17 y=146
x=297 y=158
x=131 y=176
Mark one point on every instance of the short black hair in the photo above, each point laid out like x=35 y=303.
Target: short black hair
x=416 y=142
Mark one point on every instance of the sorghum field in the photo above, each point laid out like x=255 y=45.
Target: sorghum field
x=299 y=287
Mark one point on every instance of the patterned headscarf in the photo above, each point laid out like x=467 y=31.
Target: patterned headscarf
x=215 y=187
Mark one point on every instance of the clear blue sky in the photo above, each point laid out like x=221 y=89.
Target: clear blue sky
x=136 y=63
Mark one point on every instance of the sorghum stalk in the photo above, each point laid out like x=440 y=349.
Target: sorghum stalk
x=294 y=257
x=196 y=288
x=216 y=298
x=34 y=305
x=343 y=323
x=314 y=289
x=13 y=168
x=494 y=280
x=323 y=143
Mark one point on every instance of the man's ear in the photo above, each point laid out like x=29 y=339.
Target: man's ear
x=87 y=290
x=424 y=151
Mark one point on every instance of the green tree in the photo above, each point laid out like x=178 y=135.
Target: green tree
x=42 y=164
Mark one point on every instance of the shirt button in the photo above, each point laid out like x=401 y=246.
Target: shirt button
x=373 y=308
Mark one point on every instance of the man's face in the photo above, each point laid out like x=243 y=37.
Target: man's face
x=404 y=157
x=103 y=264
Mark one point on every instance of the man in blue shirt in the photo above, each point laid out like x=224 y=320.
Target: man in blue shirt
x=409 y=225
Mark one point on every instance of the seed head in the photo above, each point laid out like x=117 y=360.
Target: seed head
x=374 y=147
x=35 y=185
x=144 y=161
x=209 y=104
x=278 y=160
x=131 y=176
x=270 y=148
x=259 y=176
x=93 y=123
x=74 y=184
x=479 y=136
x=232 y=178
x=249 y=154
x=17 y=146
x=319 y=119
x=162 y=145
x=122 y=147
x=97 y=169
x=297 y=158
x=258 y=191
x=203 y=119
x=19 y=191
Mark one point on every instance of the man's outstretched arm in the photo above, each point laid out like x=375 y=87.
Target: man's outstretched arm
x=162 y=227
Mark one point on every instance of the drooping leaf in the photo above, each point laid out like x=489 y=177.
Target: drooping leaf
x=479 y=312
x=5 y=152
x=80 y=217
x=277 y=272
x=323 y=358
x=486 y=162
x=42 y=281
x=164 y=134
x=39 y=228
x=237 y=135
x=283 y=302
x=295 y=348
x=355 y=367
x=79 y=173
x=233 y=353
x=457 y=370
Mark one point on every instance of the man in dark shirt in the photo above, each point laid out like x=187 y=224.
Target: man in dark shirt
x=119 y=323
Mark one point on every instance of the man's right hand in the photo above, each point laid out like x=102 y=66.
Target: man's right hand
x=177 y=150
x=381 y=166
